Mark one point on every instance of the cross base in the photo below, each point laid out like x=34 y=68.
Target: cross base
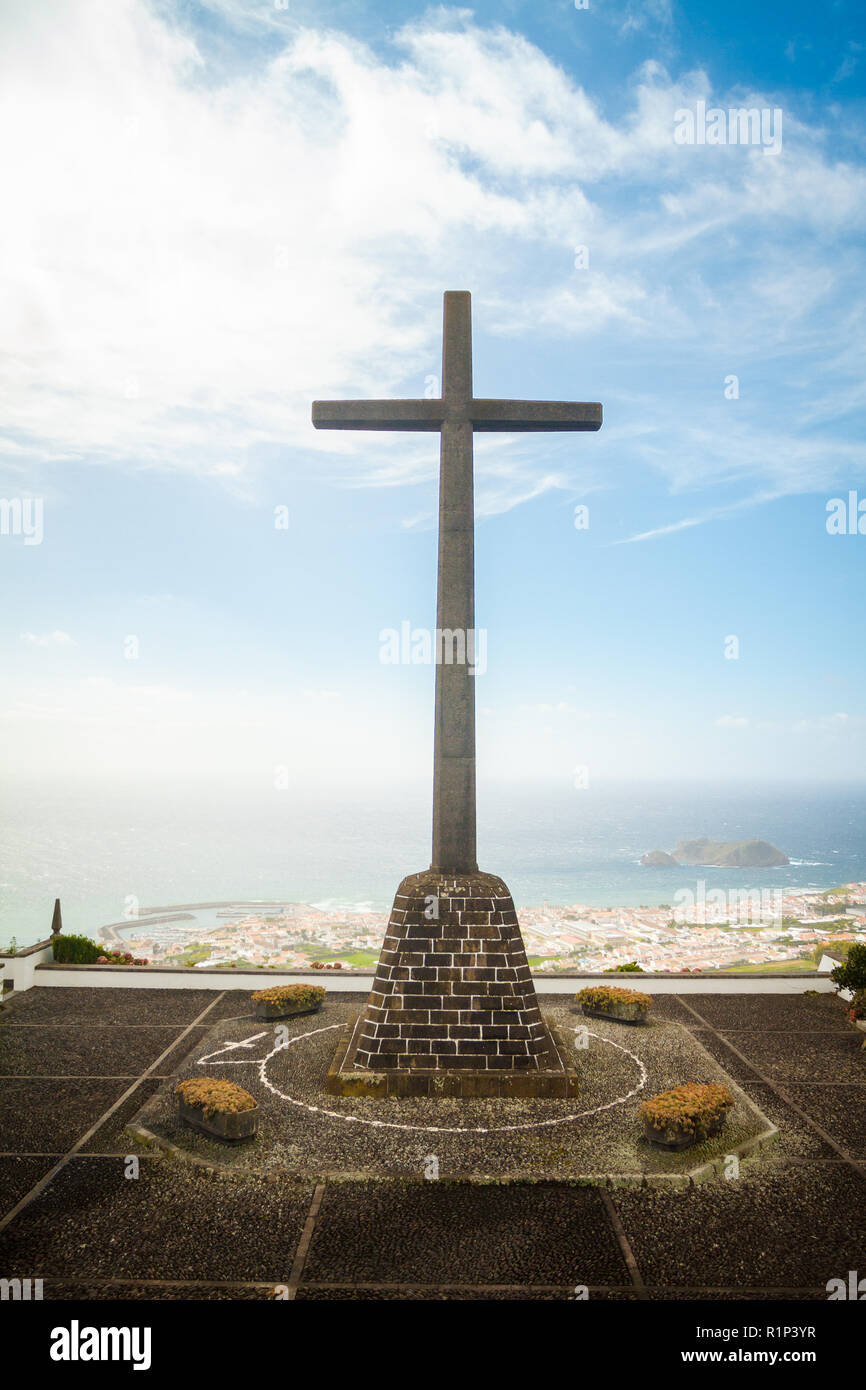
x=453 y=1010
x=554 y=1080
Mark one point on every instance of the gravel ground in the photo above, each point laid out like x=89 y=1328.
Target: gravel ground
x=441 y=1233
x=71 y=1007
x=668 y=1008
x=840 y=1110
x=796 y=1139
x=791 y=1221
x=787 y=1012
x=444 y=1295
x=44 y=1116
x=783 y=1226
x=789 y=1057
x=81 y=1051
x=72 y=1290
x=172 y=1222
x=18 y=1175
x=295 y=1139
x=111 y=1137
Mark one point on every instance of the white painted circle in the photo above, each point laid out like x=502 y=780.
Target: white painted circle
x=437 y=1129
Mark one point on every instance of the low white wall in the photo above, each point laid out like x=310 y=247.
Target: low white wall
x=186 y=977
x=19 y=970
x=343 y=981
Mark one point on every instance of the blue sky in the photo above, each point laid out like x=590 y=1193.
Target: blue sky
x=221 y=211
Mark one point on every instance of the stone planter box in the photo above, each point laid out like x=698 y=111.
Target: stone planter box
x=621 y=1013
x=674 y=1138
x=272 y=1011
x=228 y=1125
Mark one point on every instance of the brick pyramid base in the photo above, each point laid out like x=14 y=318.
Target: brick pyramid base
x=453 y=1010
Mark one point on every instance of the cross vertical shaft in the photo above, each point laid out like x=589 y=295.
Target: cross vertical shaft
x=454 y=726
x=456 y=414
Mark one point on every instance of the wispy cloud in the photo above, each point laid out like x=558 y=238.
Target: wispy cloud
x=180 y=308
x=48 y=639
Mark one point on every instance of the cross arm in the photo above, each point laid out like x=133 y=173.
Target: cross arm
x=517 y=416
x=378 y=415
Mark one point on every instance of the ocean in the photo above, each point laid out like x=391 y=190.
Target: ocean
x=102 y=847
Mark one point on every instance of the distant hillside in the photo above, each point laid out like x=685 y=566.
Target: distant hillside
x=731 y=854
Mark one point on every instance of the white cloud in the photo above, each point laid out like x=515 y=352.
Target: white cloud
x=194 y=254
x=48 y=639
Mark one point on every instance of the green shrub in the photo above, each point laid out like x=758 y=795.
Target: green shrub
x=604 y=997
x=215 y=1096
x=852 y=974
x=858 y=1004
x=632 y=968
x=76 y=950
x=688 y=1108
x=290 y=996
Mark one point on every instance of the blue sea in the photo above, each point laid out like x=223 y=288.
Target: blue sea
x=99 y=846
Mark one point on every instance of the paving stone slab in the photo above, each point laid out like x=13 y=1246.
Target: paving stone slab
x=840 y=1110
x=18 y=1176
x=45 y=1116
x=783 y=1227
x=71 y=1006
x=169 y=1223
x=740 y=1071
x=111 y=1137
x=796 y=1138
x=185 y=1045
x=786 y=1057
x=666 y=1006
x=785 y=1012
x=82 y=1050
x=445 y=1233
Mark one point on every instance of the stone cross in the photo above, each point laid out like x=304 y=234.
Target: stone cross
x=456 y=414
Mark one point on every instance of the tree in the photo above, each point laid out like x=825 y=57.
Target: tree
x=852 y=973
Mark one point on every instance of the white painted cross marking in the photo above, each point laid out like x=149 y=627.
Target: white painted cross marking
x=230 y=1046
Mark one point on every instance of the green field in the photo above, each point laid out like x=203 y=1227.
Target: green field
x=362 y=960
x=776 y=967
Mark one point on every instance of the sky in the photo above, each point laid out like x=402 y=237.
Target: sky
x=216 y=212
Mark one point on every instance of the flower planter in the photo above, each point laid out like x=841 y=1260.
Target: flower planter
x=287 y=1001
x=271 y=1011
x=217 y=1107
x=614 y=1002
x=229 y=1125
x=686 y=1115
x=674 y=1138
x=622 y=1013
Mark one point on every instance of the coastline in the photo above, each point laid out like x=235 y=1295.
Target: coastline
x=701 y=934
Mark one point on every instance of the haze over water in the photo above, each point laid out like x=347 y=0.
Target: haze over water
x=97 y=845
